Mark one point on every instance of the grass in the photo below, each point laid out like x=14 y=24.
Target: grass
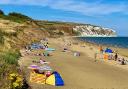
x=11 y=57
x=12 y=18
x=15 y=17
x=1 y=39
x=5 y=34
x=8 y=64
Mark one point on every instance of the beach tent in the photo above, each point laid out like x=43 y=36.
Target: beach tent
x=55 y=79
x=108 y=50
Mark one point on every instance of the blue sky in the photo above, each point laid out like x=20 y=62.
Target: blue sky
x=107 y=13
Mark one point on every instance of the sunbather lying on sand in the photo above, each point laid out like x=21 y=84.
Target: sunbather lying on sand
x=44 y=62
x=122 y=61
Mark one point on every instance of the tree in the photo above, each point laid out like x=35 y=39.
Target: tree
x=1 y=12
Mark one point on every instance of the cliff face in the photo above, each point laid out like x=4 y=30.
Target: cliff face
x=13 y=34
x=96 y=31
x=75 y=29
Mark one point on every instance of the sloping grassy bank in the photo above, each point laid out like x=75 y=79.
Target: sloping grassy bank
x=8 y=65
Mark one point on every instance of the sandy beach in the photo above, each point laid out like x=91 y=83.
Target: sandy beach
x=81 y=72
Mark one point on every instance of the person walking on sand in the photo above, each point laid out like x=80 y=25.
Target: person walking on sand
x=95 y=56
x=101 y=49
x=116 y=57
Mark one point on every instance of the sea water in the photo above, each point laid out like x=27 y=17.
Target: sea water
x=109 y=41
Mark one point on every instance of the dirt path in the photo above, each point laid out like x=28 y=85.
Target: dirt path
x=82 y=72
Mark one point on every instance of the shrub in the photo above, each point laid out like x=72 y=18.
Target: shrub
x=17 y=17
x=11 y=57
x=3 y=69
x=76 y=33
x=60 y=33
x=16 y=81
x=1 y=12
x=1 y=37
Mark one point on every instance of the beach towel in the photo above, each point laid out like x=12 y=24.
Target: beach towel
x=37 y=78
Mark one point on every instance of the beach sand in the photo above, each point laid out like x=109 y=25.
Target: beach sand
x=81 y=72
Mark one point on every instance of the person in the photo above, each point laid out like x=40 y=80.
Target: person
x=101 y=49
x=116 y=57
x=122 y=61
x=65 y=49
x=110 y=57
x=95 y=55
x=25 y=84
x=47 y=45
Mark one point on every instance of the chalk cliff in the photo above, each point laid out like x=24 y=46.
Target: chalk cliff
x=95 y=31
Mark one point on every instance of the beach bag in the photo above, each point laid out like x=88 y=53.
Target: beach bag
x=48 y=73
x=76 y=54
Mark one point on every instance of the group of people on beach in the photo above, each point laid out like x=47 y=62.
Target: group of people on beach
x=43 y=42
x=112 y=56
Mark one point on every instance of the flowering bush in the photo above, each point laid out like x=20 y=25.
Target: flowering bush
x=16 y=81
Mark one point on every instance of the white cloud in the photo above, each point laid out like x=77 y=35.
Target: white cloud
x=96 y=8
x=83 y=7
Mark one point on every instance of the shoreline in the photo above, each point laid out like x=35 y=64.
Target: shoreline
x=120 y=50
x=94 y=36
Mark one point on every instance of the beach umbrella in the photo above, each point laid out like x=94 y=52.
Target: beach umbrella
x=55 y=79
x=108 y=50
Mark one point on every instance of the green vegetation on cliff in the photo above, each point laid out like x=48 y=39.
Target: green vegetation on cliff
x=13 y=36
x=16 y=17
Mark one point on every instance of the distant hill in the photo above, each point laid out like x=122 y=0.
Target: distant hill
x=75 y=29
